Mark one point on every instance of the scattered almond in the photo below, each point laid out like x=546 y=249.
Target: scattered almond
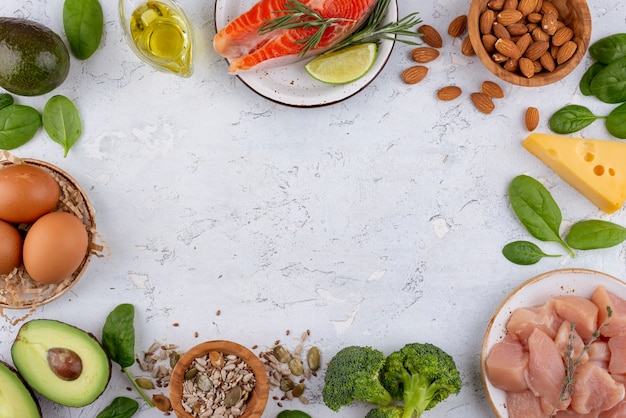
x=430 y=36
x=492 y=89
x=415 y=74
x=467 y=48
x=457 y=26
x=482 y=102
x=449 y=93
x=532 y=118
x=424 y=54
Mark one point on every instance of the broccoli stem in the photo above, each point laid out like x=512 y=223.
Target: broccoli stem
x=418 y=393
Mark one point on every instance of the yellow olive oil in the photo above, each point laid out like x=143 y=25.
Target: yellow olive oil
x=163 y=35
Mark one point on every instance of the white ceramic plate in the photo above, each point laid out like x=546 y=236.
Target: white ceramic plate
x=537 y=291
x=290 y=84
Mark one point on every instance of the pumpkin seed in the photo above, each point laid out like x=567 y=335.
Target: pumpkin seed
x=314 y=358
x=232 y=397
x=298 y=390
x=281 y=354
x=174 y=357
x=191 y=373
x=144 y=383
x=162 y=402
x=287 y=384
x=204 y=382
x=296 y=367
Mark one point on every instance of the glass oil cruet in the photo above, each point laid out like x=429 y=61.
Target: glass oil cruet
x=160 y=33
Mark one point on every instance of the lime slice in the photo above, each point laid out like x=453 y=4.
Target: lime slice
x=344 y=65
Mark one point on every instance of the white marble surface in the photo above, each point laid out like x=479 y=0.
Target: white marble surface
x=375 y=221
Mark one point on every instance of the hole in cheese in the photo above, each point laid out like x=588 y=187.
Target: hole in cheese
x=589 y=157
x=598 y=170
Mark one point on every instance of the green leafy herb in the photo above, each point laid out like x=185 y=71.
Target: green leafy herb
x=609 y=49
x=118 y=340
x=62 y=122
x=585 y=81
x=18 y=125
x=536 y=209
x=609 y=85
x=83 y=22
x=5 y=100
x=120 y=407
x=616 y=122
x=594 y=234
x=571 y=118
x=524 y=253
x=292 y=414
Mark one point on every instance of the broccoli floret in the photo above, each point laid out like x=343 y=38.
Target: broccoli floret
x=421 y=375
x=391 y=411
x=353 y=375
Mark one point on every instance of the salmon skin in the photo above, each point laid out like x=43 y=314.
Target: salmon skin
x=246 y=47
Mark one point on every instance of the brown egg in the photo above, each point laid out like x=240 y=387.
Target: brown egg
x=28 y=192
x=54 y=247
x=10 y=248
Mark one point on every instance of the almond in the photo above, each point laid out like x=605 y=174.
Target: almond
x=510 y=4
x=508 y=48
x=531 y=118
x=539 y=35
x=496 y=4
x=424 y=54
x=524 y=42
x=457 y=26
x=526 y=67
x=485 y=22
x=489 y=42
x=517 y=29
x=547 y=61
x=547 y=7
x=500 y=31
x=509 y=16
x=527 y=7
x=561 y=36
x=430 y=36
x=511 y=65
x=415 y=74
x=482 y=102
x=534 y=17
x=449 y=93
x=536 y=50
x=548 y=23
x=566 y=51
x=492 y=89
x=467 y=48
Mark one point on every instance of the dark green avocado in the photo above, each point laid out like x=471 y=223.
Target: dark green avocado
x=63 y=363
x=33 y=59
x=16 y=399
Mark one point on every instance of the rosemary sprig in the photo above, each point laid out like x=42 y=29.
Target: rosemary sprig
x=298 y=15
x=571 y=364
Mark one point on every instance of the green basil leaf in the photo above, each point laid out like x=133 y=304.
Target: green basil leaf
x=62 y=122
x=5 y=100
x=609 y=85
x=536 y=209
x=609 y=49
x=18 y=125
x=118 y=335
x=292 y=414
x=83 y=22
x=120 y=407
x=571 y=118
x=524 y=253
x=585 y=81
x=616 y=122
x=594 y=234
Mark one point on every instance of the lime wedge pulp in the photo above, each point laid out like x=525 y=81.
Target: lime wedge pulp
x=344 y=65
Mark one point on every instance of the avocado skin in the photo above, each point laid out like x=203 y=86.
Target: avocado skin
x=12 y=384
x=33 y=58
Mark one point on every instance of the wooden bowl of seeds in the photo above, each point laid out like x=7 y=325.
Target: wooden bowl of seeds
x=221 y=376
x=530 y=42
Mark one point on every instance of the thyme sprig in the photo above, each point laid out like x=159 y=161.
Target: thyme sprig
x=297 y=15
x=571 y=364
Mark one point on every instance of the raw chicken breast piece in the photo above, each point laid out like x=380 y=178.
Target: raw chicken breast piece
x=594 y=389
x=506 y=365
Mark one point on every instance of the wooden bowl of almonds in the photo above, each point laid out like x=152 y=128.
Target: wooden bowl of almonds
x=530 y=42
x=221 y=376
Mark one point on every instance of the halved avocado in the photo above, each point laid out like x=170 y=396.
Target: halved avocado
x=33 y=58
x=63 y=363
x=16 y=399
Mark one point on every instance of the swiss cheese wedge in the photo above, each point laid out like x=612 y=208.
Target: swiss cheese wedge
x=596 y=168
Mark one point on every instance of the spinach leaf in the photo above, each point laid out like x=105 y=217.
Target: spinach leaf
x=571 y=118
x=609 y=85
x=120 y=407
x=83 y=22
x=62 y=122
x=594 y=234
x=616 y=122
x=5 y=100
x=524 y=253
x=536 y=209
x=609 y=49
x=585 y=81
x=293 y=413
x=118 y=335
x=18 y=125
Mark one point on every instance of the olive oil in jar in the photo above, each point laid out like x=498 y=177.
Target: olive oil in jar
x=163 y=35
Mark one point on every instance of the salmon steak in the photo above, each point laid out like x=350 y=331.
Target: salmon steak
x=248 y=47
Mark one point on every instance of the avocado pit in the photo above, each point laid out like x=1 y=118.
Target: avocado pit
x=65 y=363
